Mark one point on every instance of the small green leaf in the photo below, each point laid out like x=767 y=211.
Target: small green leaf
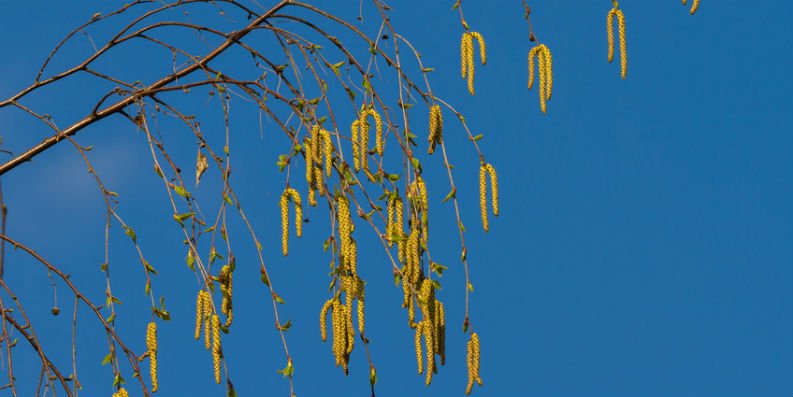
x=285 y=326
x=452 y=194
x=181 y=191
x=131 y=233
x=477 y=137
x=107 y=358
x=427 y=70
x=278 y=298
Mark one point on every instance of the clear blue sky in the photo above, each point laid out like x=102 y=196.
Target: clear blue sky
x=645 y=245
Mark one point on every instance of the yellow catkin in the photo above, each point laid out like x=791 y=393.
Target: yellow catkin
x=345 y=225
x=399 y=223
x=417 y=343
x=436 y=127
x=610 y=33
x=284 y=203
x=356 y=150
x=548 y=72
x=422 y=193
x=327 y=150
x=411 y=304
x=363 y=127
x=349 y=328
x=475 y=346
x=323 y=319
x=694 y=6
x=543 y=65
x=440 y=331
x=482 y=47
x=532 y=54
x=353 y=261
x=616 y=12
x=493 y=187
x=295 y=196
x=310 y=173
x=339 y=333
x=466 y=46
x=378 y=128
x=413 y=255
x=623 y=44
x=483 y=196
x=121 y=393
x=428 y=332
x=361 y=302
x=216 y=347
x=199 y=313
x=207 y=306
x=389 y=227
x=151 y=345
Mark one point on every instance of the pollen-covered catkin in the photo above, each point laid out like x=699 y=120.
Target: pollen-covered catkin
x=399 y=223
x=440 y=331
x=199 y=313
x=616 y=12
x=364 y=141
x=216 y=346
x=378 y=128
x=151 y=345
x=623 y=45
x=482 y=47
x=352 y=258
x=483 y=196
x=284 y=203
x=493 y=187
x=429 y=343
x=436 y=128
x=323 y=319
x=466 y=47
x=345 y=225
x=327 y=149
x=361 y=302
x=356 y=150
x=121 y=393
x=389 y=227
x=295 y=196
x=694 y=6
x=417 y=343
x=339 y=333
x=207 y=308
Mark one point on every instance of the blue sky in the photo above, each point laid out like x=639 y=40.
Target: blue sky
x=644 y=247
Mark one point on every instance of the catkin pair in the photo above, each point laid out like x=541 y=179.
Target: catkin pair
x=472 y=359
x=545 y=64
x=467 y=56
x=694 y=6
x=359 y=135
x=317 y=146
x=151 y=346
x=294 y=196
x=436 y=128
x=616 y=12
x=203 y=311
x=484 y=170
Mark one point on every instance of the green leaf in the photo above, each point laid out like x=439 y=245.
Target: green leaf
x=131 y=233
x=107 y=358
x=285 y=326
x=477 y=137
x=452 y=194
x=470 y=287
x=427 y=70
x=149 y=267
x=181 y=191
x=118 y=380
x=278 y=298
